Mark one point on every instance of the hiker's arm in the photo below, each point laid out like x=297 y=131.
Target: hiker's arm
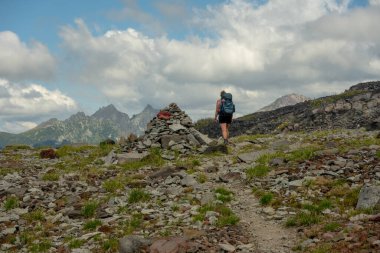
x=217 y=109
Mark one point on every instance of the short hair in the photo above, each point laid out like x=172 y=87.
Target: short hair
x=222 y=93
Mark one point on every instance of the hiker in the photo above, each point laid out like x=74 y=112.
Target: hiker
x=223 y=113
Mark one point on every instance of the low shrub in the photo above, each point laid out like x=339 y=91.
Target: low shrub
x=48 y=154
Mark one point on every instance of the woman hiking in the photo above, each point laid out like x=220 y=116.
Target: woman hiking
x=223 y=113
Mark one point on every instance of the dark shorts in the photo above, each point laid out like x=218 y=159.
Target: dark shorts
x=225 y=118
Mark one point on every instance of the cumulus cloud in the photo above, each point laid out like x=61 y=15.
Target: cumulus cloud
x=20 y=61
x=257 y=51
x=374 y=2
x=21 y=106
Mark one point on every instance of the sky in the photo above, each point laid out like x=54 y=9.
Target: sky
x=58 y=57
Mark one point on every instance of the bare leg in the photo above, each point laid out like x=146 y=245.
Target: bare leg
x=227 y=131
x=223 y=126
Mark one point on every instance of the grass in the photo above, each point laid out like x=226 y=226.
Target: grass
x=113 y=185
x=51 y=176
x=202 y=178
x=223 y=195
x=306 y=153
x=75 y=243
x=42 y=246
x=92 y=224
x=11 y=203
x=250 y=138
x=89 y=209
x=138 y=195
x=226 y=216
x=257 y=171
x=266 y=199
x=332 y=227
x=110 y=245
x=348 y=144
x=74 y=158
x=378 y=154
x=153 y=159
x=332 y=99
x=303 y=219
x=36 y=215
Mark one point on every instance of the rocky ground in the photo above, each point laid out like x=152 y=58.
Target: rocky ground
x=298 y=192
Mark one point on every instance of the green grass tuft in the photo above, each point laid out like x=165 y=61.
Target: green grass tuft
x=266 y=199
x=332 y=227
x=89 y=209
x=51 y=176
x=42 y=246
x=153 y=159
x=257 y=171
x=138 y=195
x=223 y=194
x=10 y=203
x=303 y=219
x=112 y=185
x=92 y=224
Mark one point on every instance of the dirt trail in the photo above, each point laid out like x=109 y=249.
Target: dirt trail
x=268 y=236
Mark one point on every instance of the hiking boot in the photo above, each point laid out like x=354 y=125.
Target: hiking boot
x=226 y=141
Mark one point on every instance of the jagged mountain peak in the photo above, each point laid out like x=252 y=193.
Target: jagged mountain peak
x=286 y=100
x=108 y=112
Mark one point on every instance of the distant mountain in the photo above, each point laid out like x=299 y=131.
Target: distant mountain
x=283 y=101
x=107 y=122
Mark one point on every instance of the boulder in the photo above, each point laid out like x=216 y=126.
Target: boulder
x=369 y=197
x=133 y=244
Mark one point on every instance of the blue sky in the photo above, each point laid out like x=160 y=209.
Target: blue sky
x=59 y=57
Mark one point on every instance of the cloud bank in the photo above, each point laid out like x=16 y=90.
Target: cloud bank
x=259 y=52
x=20 y=61
x=21 y=106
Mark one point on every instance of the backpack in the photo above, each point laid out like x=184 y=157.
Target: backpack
x=226 y=105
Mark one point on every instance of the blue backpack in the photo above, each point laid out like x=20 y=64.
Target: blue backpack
x=226 y=105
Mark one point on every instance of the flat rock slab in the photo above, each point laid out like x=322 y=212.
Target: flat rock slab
x=130 y=157
x=253 y=156
x=173 y=245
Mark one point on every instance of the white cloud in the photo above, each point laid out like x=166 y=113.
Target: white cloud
x=21 y=106
x=257 y=51
x=20 y=61
x=17 y=126
x=374 y=2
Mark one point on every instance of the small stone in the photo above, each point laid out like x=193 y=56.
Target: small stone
x=227 y=247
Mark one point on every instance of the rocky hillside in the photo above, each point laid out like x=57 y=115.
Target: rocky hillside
x=283 y=101
x=107 y=122
x=355 y=108
x=288 y=192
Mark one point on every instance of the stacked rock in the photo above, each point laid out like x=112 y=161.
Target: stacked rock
x=171 y=129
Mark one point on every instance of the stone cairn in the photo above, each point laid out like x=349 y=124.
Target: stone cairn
x=172 y=129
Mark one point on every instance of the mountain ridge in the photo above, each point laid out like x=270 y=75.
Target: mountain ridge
x=286 y=100
x=106 y=122
x=358 y=106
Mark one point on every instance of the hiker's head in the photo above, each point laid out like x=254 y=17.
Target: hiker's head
x=222 y=93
